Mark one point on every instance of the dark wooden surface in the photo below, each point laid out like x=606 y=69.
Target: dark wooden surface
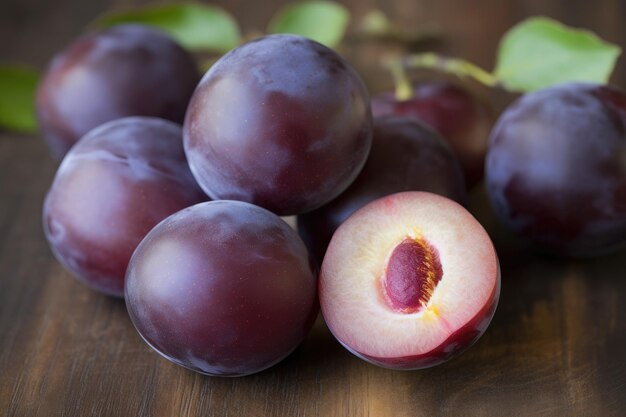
x=557 y=345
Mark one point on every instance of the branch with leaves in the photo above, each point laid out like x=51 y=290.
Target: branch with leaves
x=534 y=54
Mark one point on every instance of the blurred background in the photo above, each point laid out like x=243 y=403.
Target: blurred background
x=32 y=30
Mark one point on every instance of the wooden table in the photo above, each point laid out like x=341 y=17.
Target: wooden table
x=557 y=345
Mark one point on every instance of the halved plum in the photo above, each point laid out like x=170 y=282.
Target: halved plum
x=409 y=281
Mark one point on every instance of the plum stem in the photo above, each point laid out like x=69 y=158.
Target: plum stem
x=404 y=89
x=456 y=66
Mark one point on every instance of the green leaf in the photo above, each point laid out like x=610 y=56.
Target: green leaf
x=322 y=21
x=195 y=26
x=376 y=22
x=540 y=52
x=17 y=98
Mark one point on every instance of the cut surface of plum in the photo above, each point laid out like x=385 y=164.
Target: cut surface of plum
x=409 y=281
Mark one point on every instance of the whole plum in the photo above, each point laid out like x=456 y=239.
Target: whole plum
x=461 y=117
x=282 y=122
x=222 y=288
x=127 y=70
x=406 y=156
x=556 y=168
x=114 y=185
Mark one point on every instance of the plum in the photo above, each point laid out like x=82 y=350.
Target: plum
x=222 y=288
x=127 y=70
x=461 y=117
x=556 y=168
x=409 y=281
x=406 y=156
x=282 y=122
x=114 y=185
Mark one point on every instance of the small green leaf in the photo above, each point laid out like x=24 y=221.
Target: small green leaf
x=540 y=52
x=322 y=21
x=195 y=26
x=376 y=22
x=17 y=98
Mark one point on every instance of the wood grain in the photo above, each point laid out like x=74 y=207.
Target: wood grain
x=556 y=345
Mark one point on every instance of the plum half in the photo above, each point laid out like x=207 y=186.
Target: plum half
x=461 y=117
x=127 y=70
x=222 y=288
x=409 y=281
x=556 y=168
x=114 y=185
x=282 y=122
x=406 y=156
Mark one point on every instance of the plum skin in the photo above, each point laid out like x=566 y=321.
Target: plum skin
x=127 y=70
x=461 y=117
x=222 y=288
x=405 y=156
x=556 y=172
x=114 y=185
x=282 y=122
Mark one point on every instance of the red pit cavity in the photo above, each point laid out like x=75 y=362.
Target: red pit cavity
x=411 y=275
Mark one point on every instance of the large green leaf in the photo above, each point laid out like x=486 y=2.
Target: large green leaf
x=195 y=26
x=540 y=52
x=323 y=21
x=17 y=98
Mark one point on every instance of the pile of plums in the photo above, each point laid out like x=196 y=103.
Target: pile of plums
x=405 y=276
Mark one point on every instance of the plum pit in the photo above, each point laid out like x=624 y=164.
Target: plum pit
x=411 y=274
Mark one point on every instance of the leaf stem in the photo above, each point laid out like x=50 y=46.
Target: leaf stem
x=456 y=66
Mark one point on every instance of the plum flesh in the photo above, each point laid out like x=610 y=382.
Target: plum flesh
x=409 y=281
